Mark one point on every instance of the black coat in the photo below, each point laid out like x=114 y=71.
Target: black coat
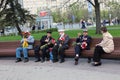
x=86 y=39
x=65 y=42
x=42 y=40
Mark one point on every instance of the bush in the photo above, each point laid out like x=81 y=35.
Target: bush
x=42 y=31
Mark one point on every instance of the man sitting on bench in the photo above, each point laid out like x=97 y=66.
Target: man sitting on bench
x=82 y=43
x=26 y=44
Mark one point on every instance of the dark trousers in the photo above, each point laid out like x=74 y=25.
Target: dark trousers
x=78 y=50
x=97 y=53
x=45 y=52
x=58 y=51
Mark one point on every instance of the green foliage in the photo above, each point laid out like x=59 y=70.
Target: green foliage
x=57 y=17
x=75 y=9
x=14 y=14
x=104 y=14
x=114 y=30
x=44 y=31
x=113 y=8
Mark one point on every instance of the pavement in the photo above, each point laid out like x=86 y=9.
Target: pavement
x=9 y=70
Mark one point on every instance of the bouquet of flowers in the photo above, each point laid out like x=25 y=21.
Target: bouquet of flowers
x=52 y=41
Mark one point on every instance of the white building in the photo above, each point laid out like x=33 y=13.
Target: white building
x=36 y=5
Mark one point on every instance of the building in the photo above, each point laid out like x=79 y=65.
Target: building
x=34 y=6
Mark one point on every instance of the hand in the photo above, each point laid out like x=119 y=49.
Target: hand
x=97 y=45
x=60 y=45
x=84 y=43
x=25 y=39
x=46 y=40
x=55 y=43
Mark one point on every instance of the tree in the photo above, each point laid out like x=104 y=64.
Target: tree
x=113 y=8
x=57 y=17
x=78 y=11
x=96 y=5
x=12 y=14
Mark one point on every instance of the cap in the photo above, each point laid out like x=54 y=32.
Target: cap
x=85 y=30
x=61 y=30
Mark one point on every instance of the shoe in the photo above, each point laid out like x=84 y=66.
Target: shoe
x=18 y=60
x=26 y=60
x=89 y=60
x=61 y=61
x=42 y=61
x=76 y=58
x=98 y=64
x=76 y=62
x=47 y=59
x=54 y=61
x=37 y=60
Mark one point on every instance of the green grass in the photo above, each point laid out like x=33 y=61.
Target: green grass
x=114 y=30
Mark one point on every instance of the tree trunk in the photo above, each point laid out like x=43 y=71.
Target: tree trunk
x=19 y=30
x=98 y=19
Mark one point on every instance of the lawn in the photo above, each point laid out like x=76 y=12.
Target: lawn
x=114 y=30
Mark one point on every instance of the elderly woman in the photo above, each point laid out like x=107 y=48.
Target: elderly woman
x=106 y=46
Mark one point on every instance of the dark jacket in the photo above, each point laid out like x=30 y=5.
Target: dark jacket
x=65 y=43
x=42 y=40
x=86 y=39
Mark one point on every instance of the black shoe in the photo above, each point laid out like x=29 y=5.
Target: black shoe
x=18 y=60
x=54 y=61
x=42 y=61
x=61 y=61
x=26 y=60
x=76 y=58
x=98 y=64
x=76 y=62
x=37 y=60
x=89 y=61
x=47 y=59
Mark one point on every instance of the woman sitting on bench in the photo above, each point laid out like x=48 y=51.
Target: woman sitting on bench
x=106 y=46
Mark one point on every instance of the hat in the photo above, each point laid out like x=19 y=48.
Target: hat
x=49 y=32
x=61 y=30
x=85 y=30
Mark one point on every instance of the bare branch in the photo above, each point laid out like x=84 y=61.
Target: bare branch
x=91 y=2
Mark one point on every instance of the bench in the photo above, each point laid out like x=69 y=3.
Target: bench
x=9 y=48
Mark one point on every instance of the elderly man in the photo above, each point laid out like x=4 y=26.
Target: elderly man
x=26 y=44
x=45 y=44
x=82 y=43
x=60 y=46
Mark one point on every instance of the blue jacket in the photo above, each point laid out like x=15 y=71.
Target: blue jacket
x=30 y=41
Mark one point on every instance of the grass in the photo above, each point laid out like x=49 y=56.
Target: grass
x=114 y=30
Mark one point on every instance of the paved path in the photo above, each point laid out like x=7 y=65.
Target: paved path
x=9 y=70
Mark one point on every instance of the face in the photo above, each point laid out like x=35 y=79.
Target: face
x=85 y=33
x=48 y=34
x=25 y=35
x=61 y=32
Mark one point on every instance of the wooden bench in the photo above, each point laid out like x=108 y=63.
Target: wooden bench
x=89 y=53
x=9 y=49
